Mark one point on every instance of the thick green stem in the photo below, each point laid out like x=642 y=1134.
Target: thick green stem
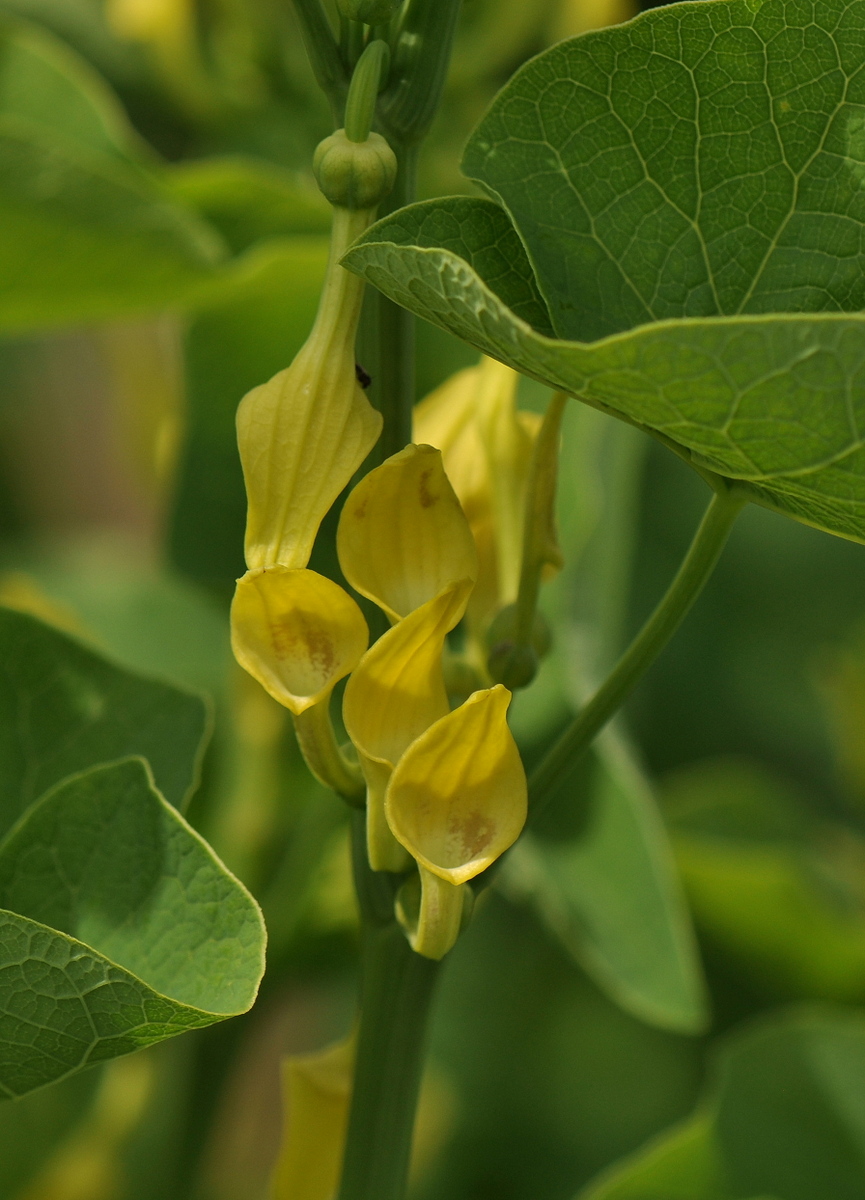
x=397 y=988
x=665 y=620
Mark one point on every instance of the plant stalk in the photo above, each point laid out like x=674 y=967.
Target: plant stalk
x=695 y=570
x=397 y=989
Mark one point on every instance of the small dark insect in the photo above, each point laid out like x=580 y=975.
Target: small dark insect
x=363 y=379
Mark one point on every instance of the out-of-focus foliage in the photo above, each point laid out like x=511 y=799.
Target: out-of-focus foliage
x=561 y=1042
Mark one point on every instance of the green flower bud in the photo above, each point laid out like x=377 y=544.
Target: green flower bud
x=509 y=663
x=355 y=175
x=371 y=12
x=514 y=666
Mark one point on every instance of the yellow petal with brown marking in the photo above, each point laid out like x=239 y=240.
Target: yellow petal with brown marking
x=402 y=535
x=457 y=798
x=296 y=632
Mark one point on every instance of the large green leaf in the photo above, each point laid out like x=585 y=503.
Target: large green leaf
x=611 y=895
x=86 y=236
x=87 y=231
x=784 y=1117
x=681 y=1165
x=704 y=159
x=791 y=1116
x=45 y=81
x=777 y=890
x=64 y=708
x=769 y=400
x=120 y=928
x=248 y=199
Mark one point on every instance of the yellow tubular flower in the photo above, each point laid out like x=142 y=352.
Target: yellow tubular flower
x=456 y=800
x=486 y=445
x=317 y=1089
x=402 y=535
x=304 y=434
x=296 y=632
x=396 y=692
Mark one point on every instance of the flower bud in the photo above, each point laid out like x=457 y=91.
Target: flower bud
x=354 y=175
x=511 y=662
x=371 y=12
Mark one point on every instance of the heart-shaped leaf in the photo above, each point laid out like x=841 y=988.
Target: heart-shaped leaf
x=769 y=400
x=701 y=160
x=64 y=708
x=119 y=928
x=783 y=1118
x=611 y=896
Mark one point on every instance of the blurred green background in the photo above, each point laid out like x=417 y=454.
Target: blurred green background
x=161 y=247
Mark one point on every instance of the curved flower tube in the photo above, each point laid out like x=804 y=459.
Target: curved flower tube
x=303 y=434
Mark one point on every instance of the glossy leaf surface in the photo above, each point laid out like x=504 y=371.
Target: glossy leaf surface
x=770 y=400
x=120 y=928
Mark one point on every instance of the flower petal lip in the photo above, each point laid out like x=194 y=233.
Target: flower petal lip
x=397 y=689
x=457 y=798
x=402 y=535
x=296 y=632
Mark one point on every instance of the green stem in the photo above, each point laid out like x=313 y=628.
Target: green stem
x=323 y=52
x=387 y=342
x=319 y=747
x=695 y=570
x=397 y=988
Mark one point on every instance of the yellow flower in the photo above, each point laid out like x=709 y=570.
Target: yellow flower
x=151 y=20
x=396 y=692
x=317 y=1091
x=403 y=536
x=296 y=632
x=303 y=434
x=486 y=445
x=456 y=800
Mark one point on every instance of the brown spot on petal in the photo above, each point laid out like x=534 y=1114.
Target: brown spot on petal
x=427 y=498
x=474 y=832
x=360 y=510
x=296 y=635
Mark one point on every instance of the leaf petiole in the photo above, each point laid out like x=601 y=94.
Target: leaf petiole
x=695 y=570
